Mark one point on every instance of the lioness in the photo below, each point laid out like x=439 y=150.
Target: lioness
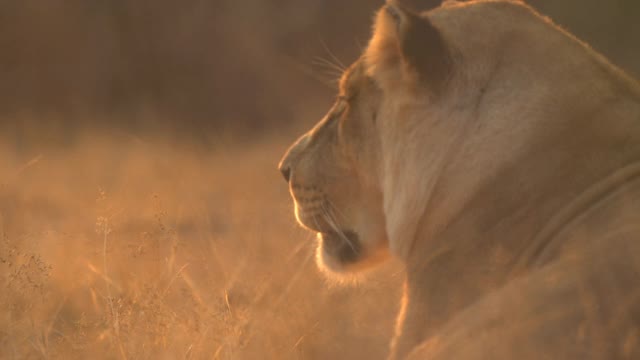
x=498 y=158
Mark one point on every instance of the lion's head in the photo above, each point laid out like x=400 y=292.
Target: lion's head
x=338 y=172
x=331 y=172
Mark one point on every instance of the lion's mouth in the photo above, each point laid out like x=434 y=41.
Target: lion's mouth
x=343 y=245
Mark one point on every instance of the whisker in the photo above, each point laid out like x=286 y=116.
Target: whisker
x=333 y=76
x=322 y=62
x=333 y=56
x=316 y=221
x=359 y=44
x=335 y=210
x=311 y=72
x=329 y=217
x=329 y=69
x=331 y=210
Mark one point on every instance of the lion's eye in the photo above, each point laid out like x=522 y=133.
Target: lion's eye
x=340 y=106
x=343 y=101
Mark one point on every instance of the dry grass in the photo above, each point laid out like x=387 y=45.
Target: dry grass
x=123 y=249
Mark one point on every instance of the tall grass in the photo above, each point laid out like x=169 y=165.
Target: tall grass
x=128 y=249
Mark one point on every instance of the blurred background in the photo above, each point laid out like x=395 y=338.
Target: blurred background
x=200 y=67
x=141 y=213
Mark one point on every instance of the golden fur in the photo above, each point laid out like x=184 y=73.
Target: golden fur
x=498 y=157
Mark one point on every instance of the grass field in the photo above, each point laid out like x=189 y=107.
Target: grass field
x=112 y=247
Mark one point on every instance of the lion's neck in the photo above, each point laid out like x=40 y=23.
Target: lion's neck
x=513 y=221
x=444 y=280
x=541 y=148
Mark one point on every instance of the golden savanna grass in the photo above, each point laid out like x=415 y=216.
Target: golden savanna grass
x=113 y=247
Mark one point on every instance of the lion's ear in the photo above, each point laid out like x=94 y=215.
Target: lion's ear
x=406 y=46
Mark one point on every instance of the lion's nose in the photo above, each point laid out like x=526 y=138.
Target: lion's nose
x=285 y=166
x=286 y=171
x=292 y=156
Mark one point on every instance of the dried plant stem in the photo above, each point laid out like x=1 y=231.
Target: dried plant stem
x=114 y=313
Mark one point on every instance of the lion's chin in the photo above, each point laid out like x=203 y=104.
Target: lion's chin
x=339 y=252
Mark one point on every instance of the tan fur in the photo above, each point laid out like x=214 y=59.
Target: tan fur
x=517 y=174
x=382 y=55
